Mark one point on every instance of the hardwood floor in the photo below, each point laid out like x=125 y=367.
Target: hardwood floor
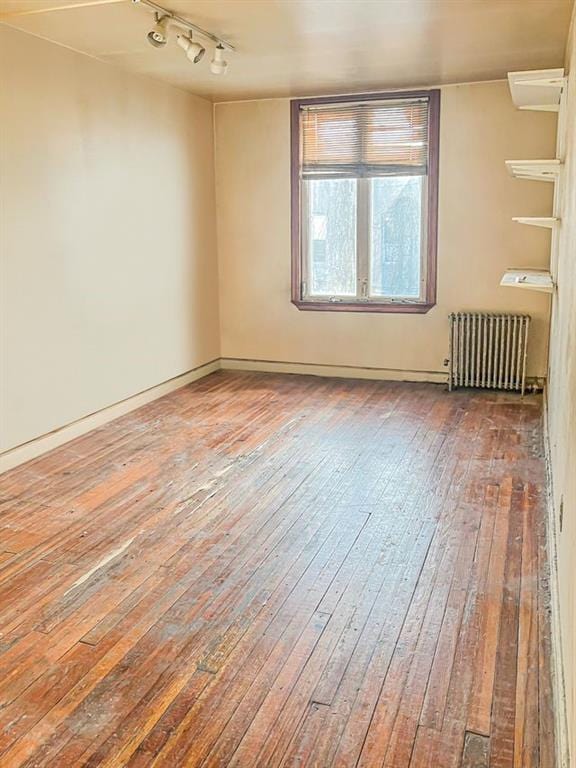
x=265 y=571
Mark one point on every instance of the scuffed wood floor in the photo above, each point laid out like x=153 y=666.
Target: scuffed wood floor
x=264 y=570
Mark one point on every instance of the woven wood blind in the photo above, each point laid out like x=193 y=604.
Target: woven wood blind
x=364 y=139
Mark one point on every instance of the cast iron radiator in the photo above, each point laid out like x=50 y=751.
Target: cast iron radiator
x=488 y=349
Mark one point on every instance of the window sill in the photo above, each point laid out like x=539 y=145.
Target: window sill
x=358 y=306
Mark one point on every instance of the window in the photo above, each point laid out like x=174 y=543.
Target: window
x=364 y=202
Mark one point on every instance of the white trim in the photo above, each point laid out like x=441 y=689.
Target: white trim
x=21 y=453
x=332 y=371
x=556 y=662
x=53 y=8
x=359 y=90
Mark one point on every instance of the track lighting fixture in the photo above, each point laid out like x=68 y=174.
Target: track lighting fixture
x=218 y=65
x=158 y=37
x=194 y=51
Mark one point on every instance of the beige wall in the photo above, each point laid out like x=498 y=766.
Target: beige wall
x=477 y=239
x=108 y=271
x=562 y=405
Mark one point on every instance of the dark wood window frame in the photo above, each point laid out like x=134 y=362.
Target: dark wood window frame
x=432 y=207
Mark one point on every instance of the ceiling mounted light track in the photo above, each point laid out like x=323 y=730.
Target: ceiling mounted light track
x=158 y=37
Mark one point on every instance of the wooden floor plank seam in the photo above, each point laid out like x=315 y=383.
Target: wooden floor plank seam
x=468 y=463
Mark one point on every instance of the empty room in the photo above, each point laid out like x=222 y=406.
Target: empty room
x=287 y=383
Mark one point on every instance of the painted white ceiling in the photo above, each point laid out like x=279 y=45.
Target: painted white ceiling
x=300 y=47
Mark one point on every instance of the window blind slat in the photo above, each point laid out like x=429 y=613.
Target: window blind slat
x=364 y=139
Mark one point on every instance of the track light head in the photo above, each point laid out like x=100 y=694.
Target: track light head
x=218 y=65
x=158 y=35
x=194 y=51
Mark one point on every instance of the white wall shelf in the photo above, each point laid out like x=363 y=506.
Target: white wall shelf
x=537 y=221
x=542 y=107
x=536 y=170
x=531 y=279
x=540 y=90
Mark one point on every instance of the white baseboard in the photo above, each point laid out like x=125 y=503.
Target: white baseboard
x=22 y=453
x=31 y=450
x=40 y=445
x=335 y=371
x=557 y=665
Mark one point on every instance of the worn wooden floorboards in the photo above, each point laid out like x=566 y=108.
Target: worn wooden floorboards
x=279 y=571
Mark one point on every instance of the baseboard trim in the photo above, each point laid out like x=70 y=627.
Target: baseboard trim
x=332 y=371
x=558 y=682
x=40 y=445
x=31 y=450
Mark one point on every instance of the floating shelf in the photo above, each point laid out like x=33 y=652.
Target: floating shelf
x=531 y=279
x=537 y=170
x=542 y=107
x=539 y=89
x=537 y=221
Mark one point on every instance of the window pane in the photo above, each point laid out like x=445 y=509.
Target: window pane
x=396 y=233
x=332 y=237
